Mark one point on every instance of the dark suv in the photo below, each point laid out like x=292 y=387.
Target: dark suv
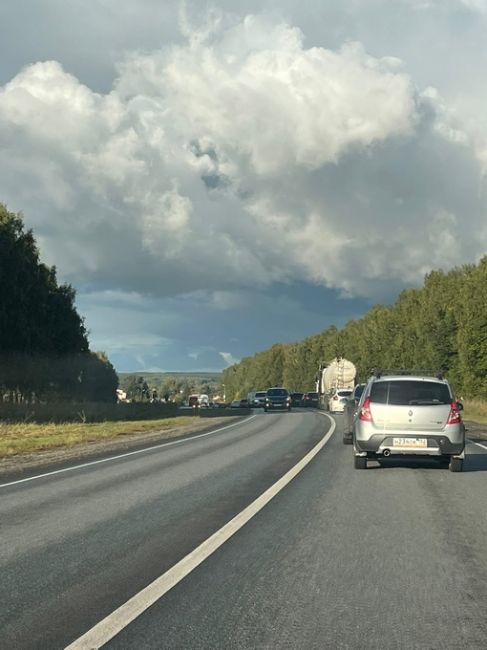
x=277 y=398
x=350 y=412
x=297 y=399
x=312 y=399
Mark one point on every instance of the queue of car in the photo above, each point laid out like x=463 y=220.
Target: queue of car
x=399 y=414
x=278 y=398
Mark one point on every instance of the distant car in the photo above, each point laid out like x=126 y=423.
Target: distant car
x=311 y=399
x=336 y=403
x=239 y=404
x=258 y=400
x=297 y=399
x=277 y=398
x=193 y=401
x=409 y=415
x=350 y=412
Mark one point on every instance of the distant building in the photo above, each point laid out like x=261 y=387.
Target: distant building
x=121 y=395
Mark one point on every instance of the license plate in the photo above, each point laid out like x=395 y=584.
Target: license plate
x=416 y=443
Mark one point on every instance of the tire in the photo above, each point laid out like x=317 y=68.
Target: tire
x=360 y=462
x=456 y=464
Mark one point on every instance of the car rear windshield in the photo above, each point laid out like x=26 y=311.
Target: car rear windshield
x=277 y=392
x=261 y=393
x=313 y=395
x=297 y=395
x=405 y=393
x=344 y=393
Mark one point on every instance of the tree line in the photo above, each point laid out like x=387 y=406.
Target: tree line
x=165 y=386
x=440 y=326
x=44 y=350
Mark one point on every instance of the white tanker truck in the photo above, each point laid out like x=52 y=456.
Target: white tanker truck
x=332 y=376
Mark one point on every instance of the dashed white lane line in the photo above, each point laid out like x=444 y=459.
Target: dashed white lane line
x=125 y=455
x=115 y=622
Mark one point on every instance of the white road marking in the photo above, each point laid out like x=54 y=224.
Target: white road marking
x=125 y=455
x=115 y=622
x=478 y=444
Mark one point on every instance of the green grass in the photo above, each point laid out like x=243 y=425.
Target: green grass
x=475 y=410
x=16 y=439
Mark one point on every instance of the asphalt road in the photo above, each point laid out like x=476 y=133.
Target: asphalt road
x=75 y=545
x=390 y=557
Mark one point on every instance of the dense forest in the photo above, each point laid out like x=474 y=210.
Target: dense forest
x=44 y=351
x=441 y=326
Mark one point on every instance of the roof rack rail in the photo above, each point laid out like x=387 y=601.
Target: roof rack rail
x=379 y=372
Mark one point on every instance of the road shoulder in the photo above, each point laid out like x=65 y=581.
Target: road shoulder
x=53 y=458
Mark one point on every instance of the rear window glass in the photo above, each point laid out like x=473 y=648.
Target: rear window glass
x=277 y=392
x=404 y=393
x=297 y=395
x=261 y=394
x=344 y=393
x=313 y=395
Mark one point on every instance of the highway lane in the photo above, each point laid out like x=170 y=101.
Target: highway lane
x=76 y=545
x=394 y=557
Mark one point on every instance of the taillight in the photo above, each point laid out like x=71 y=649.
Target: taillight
x=454 y=417
x=365 y=414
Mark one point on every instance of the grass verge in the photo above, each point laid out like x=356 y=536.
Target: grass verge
x=17 y=439
x=475 y=410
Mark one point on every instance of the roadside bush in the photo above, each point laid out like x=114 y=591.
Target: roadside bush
x=87 y=412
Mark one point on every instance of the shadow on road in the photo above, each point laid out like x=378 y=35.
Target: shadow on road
x=473 y=463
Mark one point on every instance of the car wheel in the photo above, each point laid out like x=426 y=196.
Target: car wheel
x=456 y=464
x=360 y=462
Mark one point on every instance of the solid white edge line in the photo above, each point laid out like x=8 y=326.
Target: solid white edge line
x=128 y=453
x=119 y=619
x=477 y=443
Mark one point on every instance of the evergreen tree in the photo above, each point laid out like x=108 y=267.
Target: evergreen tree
x=44 y=351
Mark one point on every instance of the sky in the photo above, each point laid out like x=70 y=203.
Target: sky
x=213 y=179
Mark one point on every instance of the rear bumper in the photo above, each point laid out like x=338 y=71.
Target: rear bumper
x=437 y=445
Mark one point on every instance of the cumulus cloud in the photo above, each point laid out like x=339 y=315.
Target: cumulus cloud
x=239 y=157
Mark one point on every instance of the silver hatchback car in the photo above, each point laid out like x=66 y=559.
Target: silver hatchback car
x=411 y=415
